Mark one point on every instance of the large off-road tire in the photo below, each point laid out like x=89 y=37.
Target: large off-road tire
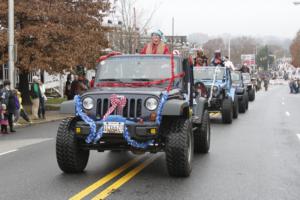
x=251 y=94
x=247 y=101
x=202 y=135
x=227 y=111
x=235 y=107
x=243 y=104
x=70 y=158
x=180 y=148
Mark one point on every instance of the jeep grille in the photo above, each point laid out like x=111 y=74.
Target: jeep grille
x=133 y=108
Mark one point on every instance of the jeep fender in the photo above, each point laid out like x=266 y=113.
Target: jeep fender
x=67 y=107
x=175 y=107
x=239 y=91
x=231 y=94
x=199 y=108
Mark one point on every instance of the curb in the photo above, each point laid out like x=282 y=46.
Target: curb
x=40 y=122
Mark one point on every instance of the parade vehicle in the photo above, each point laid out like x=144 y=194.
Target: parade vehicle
x=141 y=103
x=221 y=94
x=240 y=90
x=250 y=86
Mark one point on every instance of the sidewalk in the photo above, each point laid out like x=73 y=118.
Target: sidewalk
x=51 y=116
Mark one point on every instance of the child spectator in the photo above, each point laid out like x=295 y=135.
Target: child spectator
x=4 y=119
x=21 y=111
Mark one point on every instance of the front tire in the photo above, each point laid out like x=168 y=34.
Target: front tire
x=247 y=101
x=202 y=135
x=227 y=111
x=243 y=104
x=235 y=107
x=251 y=94
x=70 y=158
x=180 y=148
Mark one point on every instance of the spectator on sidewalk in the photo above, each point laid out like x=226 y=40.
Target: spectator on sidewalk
x=17 y=113
x=8 y=99
x=79 y=84
x=4 y=118
x=92 y=82
x=43 y=99
x=21 y=111
x=68 y=87
x=35 y=97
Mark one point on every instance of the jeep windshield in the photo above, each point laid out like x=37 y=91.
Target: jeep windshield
x=136 y=68
x=235 y=77
x=246 y=77
x=207 y=73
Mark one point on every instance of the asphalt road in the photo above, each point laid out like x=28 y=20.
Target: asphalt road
x=257 y=157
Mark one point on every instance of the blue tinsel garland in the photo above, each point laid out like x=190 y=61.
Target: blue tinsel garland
x=94 y=135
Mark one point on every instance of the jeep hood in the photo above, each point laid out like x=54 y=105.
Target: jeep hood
x=129 y=90
x=218 y=83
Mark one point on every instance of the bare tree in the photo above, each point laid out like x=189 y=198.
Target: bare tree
x=212 y=45
x=242 y=45
x=295 y=50
x=54 y=35
x=135 y=23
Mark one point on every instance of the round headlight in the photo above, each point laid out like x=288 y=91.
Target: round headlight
x=151 y=104
x=88 y=103
x=215 y=89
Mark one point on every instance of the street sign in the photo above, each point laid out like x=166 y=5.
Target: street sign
x=248 y=59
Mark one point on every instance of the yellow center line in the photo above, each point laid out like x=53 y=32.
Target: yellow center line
x=105 y=179
x=113 y=187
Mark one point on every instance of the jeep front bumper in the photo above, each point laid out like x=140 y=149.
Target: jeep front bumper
x=138 y=131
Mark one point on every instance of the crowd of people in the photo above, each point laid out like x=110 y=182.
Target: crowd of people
x=294 y=85
x=11 y=107
x=78 y=84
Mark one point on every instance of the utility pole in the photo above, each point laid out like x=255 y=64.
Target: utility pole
x=11 y=36
x=134 y=32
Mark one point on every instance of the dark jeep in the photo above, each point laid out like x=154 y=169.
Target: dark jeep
x=150 y=119
x=221 y=94
x=250 y=86
x=240 y=90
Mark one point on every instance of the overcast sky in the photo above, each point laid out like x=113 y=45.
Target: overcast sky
x=237 y=17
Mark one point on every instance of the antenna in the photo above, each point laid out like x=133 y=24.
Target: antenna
x=172 y=46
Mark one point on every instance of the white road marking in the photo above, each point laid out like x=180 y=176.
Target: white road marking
x=287 y=113
x=7 y=145
x=282 y=103
x=298 y=136
x=7 y=152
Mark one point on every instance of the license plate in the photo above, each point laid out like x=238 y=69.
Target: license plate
x=113 y=127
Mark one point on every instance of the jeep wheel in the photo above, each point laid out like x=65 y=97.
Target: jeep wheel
x=70 y=158
x=251 y=94
x=227 y=111
x=235 y=107
x=180 y=148
x=247 y=101
x=243 y=104
x=202 y=135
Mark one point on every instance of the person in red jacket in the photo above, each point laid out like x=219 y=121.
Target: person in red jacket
x=156 y=46
x=92 y=82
